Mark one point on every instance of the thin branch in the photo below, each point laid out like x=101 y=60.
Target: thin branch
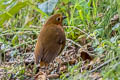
x=74 y=42
x=105 y=63
x=81 y=31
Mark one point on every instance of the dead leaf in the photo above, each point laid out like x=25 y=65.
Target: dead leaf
x=73 y=61
x=85 y=56
x=70 y=62
x=115 y=18
x=58 y=60
x=90 y=48
x=98 y=60
x=82 y=39
x=100 y=79
x=41 y=76
x=63 y=68
x=100 y=15
x=53 y=76
x=95 y=75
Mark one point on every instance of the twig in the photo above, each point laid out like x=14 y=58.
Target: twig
x=105 y=63
x=81 y=31
x=74 y=42
x=12 y=33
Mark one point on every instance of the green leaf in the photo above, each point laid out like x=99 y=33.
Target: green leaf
x=12 y=11
x=81 y=14
x=65 y=1
x=118 y=9
x=15 y=40
x=37 y=9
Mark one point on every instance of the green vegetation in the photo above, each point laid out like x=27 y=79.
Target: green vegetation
x=95 y=21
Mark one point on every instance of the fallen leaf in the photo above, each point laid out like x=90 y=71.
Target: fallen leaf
x=41 y=76
x=63 y=68
x=71 y=62
x=53 y=76
x=95 y=75
x=85 y=56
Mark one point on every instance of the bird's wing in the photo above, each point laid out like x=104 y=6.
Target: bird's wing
x=53 y=42
x=38 y=51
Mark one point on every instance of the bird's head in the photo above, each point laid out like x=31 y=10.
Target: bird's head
x=56 y=19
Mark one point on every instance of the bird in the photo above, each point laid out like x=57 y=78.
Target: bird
x=51 y=40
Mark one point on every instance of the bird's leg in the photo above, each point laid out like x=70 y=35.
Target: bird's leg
x=46 y=66
x=58 y=69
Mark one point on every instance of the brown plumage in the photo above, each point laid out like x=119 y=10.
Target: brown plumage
x=51 y=40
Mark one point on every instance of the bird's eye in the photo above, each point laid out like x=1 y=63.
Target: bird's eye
x=58 y=19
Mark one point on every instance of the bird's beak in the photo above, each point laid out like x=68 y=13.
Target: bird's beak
x=64 y=17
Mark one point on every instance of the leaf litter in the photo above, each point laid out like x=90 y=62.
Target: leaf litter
x=23 y=64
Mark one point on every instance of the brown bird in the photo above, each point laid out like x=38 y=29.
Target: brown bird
x=51 y=40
